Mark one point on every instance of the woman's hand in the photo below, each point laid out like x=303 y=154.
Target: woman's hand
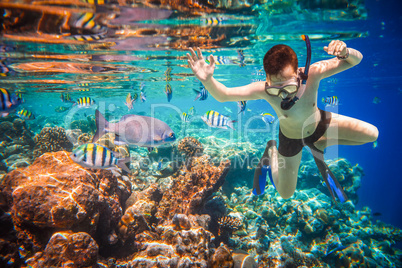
x=336 y=48
x=200 y=68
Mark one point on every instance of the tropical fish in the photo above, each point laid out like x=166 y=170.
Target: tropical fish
x=191 y=111
x=169 y=92
x=137 y=130
x=8 y=102
x=85 y=22
x=129 y=101
x=160 y=164
x=228 y=109
x=168 y=78
x=215 y=119
x=93 y=155
x=85 y=102
x=375 y=144
x=331 y=100
x=168 y=71
x=25 y=114
x=143 y=97
x=242 y=106
x=202 y=94
x=268 y=118
x=339 y=247
x=185 y=117
x=213 y=21
x=376 y=100
x=66 y=97
x=221 y=60
x=240 y=56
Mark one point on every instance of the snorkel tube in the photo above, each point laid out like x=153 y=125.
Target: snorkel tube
x=288 y=103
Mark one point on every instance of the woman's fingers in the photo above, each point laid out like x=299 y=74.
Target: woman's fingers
x=211 y=60
x=193 y=55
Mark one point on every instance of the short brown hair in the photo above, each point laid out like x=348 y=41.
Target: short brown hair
x=278 y=57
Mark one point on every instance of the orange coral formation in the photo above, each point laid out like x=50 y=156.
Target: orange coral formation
x=190 y=191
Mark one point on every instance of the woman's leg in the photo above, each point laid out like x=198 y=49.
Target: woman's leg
x=344 y=130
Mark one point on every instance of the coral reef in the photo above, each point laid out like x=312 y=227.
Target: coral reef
x=55 y=194
x=16 y=145
x=51 y=139
x=190 y=146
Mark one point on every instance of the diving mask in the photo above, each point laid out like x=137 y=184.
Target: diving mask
x=287 y=88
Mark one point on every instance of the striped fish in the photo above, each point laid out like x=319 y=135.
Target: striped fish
x=267 y=118
x=93 y=155
x=215 y=119
x=169 y=92
x=8 y=102
x=242 y=106
x=213 y=21
x=202 y=94
x=331 y=101
x=240 y=56
x=185 y=117
x=85 y=102
x=66 y=97
x=25 y=114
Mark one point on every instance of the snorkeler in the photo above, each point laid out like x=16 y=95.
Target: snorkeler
x=292 y=93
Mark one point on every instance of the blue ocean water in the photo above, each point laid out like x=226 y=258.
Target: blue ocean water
x=117 y=65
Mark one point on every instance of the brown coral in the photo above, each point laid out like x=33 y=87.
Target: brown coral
x=190 y=147
x=54 y=193
x=190 y=191
x=51 y=139
x=229 y=223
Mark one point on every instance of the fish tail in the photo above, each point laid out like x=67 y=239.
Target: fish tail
x=121 y=163
x=101 y=126
x=230 y=124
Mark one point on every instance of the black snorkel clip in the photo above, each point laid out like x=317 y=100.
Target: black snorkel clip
x=288 y=102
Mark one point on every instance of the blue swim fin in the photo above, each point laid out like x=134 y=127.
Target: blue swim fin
x=262 y=180
x=335 y=189
x=260 y=174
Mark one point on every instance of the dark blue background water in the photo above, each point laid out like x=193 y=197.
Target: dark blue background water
x=378 y=75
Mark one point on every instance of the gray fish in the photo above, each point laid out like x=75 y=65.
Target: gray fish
x=137 y=130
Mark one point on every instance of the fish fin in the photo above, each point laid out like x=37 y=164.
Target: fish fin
x=336 y=188
x=101 y=126
x=117 y=140
x=4 y=114
x=150 y=149
x=121 y=163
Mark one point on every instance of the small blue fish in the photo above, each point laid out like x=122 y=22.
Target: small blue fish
x=268 y=118
x=185 y=117
x=25 y=114
x=339 y=247
x=215 y=119
x=202 y=94
x=143 y=97
x=330 y=101
x=85 y=102
x=375 y=144
x=169 y=92
x=240 y=56
x=93 y=155
x=242 y=106
x=160 y=164
x=376 y=100
x=8 y=102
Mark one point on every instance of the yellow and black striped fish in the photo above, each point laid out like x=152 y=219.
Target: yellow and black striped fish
x=331 y=101
x=85 y=102
x=169 y=92
x=8 y=102
x=93 y=155
x=215 y=119
x=25 y=114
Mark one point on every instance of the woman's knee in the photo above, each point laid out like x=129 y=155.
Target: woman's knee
x=372 y=134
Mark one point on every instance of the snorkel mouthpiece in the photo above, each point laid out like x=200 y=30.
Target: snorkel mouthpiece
x=288 y=103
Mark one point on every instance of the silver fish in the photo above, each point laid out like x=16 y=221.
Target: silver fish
x=143 y=131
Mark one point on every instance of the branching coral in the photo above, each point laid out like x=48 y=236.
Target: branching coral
x=51 y=139
x=190 y=147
